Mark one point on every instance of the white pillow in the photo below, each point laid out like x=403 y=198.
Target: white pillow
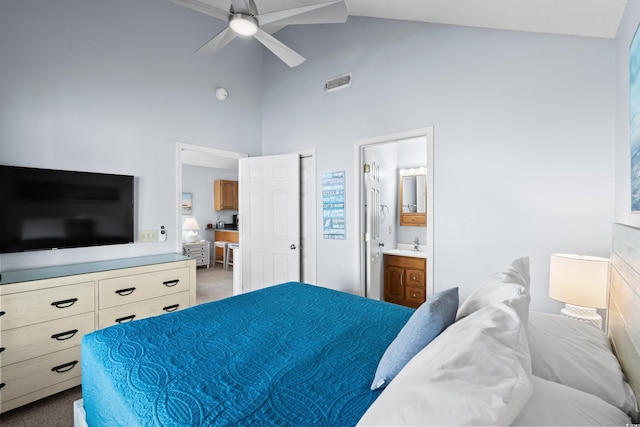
x=578 y=355
x=554 y=404
x=499 y=287
x=476 y=372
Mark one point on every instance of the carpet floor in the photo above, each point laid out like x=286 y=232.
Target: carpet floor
x=57 y=411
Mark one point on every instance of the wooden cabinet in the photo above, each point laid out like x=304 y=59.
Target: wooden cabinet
x=231 y=236
x=405 y=280
x=225 y=195
x=45 y=312
x=198 y=251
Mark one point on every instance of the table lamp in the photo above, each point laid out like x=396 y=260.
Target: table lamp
x=581 y=283
x=191 y=225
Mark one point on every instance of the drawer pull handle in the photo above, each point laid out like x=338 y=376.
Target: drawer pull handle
x=2 y=385
x=126 y=319
x=65 y=368
x=125 y=292
x=64 y=335
x=64 y=304
x=171 y=308
x=2 y=313
x=2 y=349
x=170 y=283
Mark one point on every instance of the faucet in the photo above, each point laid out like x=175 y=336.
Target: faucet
x=416 y=242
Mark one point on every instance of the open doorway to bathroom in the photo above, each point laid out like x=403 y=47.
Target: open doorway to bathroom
x=382 y=161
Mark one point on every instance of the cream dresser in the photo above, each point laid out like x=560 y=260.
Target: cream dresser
x=44 y=313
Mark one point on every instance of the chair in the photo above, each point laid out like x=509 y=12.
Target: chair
x=222 y=245
x=229 y=255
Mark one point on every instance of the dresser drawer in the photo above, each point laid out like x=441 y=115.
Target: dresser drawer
x=128 y=289
x=194 y=250
x=38 y=373
x=31 y=341
x=28 y=308
x=140 y=310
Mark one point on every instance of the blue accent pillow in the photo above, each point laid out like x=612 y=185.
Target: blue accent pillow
x=428 y=321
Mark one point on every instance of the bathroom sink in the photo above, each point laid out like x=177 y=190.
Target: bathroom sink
x=404 y=252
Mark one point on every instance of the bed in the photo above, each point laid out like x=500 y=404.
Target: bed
x=298 y=354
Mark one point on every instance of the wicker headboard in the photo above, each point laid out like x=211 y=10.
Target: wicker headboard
x=623 y=311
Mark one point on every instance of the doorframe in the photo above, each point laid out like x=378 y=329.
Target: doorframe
x=359 y=146
x=312 y=238
x=182 y=149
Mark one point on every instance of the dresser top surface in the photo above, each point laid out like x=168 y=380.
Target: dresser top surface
x=8 y=277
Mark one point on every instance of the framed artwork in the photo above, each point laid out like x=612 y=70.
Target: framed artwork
x=634 y=120
x=333 y=204
x=187 y=204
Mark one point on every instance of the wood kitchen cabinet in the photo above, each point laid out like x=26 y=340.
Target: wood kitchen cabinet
x=405 y=280
x=225 y=194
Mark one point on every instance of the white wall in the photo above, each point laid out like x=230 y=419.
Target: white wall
x=524 y=123
x=524 y=135
x=628 y=27
x=112 y=86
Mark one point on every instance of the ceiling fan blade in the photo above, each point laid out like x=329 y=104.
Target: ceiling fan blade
x=286 y=54
x=240 y=6
x=322 y=13
x=218 y=42
x=203 y=7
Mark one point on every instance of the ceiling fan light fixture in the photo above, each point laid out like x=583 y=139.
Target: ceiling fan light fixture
x=243 y=24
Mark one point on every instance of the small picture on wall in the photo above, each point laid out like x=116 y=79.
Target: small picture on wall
x=634 y=120
x=187 y=204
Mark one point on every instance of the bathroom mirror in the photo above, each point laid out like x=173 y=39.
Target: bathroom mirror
x=413 y=197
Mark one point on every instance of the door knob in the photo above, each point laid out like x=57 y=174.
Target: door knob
x=293 y=247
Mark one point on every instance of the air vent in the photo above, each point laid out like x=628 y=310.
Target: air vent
x=339 y=82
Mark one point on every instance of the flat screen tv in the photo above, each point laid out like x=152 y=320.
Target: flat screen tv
x=54 y=209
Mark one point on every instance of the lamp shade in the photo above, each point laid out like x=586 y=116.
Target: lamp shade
x=190 y=224
x=579 y=280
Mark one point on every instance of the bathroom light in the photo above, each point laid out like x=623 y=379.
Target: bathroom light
x=243 y=24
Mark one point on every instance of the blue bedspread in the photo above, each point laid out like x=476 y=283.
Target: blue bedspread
x=292 y=354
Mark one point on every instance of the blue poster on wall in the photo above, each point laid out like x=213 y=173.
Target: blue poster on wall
x=634 y=120
x=333 y=217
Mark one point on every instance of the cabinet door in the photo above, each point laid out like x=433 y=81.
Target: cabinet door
x=394 y=284
x=225 y=195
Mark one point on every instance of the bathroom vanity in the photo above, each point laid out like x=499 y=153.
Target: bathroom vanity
x=405 y=275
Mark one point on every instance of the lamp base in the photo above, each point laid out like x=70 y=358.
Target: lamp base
x=191 y=236
x=584 y=314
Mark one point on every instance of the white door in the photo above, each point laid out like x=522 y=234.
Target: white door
x=372 y=231
x=270 y=220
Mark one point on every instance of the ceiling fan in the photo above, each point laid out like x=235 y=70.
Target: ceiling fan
x=244 y=19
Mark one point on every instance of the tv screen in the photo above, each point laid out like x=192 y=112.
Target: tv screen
x=54 y=209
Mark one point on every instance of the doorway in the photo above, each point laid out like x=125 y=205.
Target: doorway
x=188 y=154
x=369 y=278
x=212 y=283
